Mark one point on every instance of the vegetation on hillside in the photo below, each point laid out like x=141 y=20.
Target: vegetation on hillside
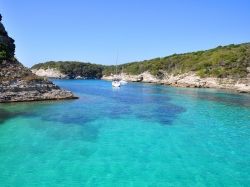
x=12 y=70
x=226 y=61
x=222 y=61
x=3 y=53
x=73 y=68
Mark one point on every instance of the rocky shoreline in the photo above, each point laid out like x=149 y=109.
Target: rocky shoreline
x=19 y=91
x=189 y=80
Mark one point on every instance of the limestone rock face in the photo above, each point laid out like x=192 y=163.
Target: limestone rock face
x=18 y=83
x=34 y=91
x=50 y=73
x=190 y=80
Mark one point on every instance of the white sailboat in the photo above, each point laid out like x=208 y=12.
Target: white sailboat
x=116 y=82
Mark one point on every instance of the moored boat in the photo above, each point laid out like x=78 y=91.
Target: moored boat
x=116 y=82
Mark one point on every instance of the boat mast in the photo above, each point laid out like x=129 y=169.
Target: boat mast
x=116 y=64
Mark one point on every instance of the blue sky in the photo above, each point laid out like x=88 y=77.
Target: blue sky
x=93 y=31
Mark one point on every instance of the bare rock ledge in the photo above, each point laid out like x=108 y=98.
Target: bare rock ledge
x=36 y=91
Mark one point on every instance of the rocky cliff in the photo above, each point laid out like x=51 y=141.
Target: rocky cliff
x=50 y=73
x=18 y=83
x=190 y=80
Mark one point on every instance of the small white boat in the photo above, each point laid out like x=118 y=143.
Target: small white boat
x=116 y=83
x=123 y=81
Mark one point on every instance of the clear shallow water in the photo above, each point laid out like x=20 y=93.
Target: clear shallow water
x=137 y=135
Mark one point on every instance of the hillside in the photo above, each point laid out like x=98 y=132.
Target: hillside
x=224 y=67
x=18 y=83
x=72 y=69
x=223 y=61
x=229 y=61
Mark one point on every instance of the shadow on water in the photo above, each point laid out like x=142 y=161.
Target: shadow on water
x=166 y=113
x=67 y=117
x=149 y=103
x=115 y=112
x=5 y=115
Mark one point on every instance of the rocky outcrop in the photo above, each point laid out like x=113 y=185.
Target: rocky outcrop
x=18 y=83
x=190 y=80
x=56 y=74
x=12 y=91
x=50 y=73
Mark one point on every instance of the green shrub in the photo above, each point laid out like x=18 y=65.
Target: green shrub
x=24 y=74
x=3 y=52
x=33 y=77
x=200 y=74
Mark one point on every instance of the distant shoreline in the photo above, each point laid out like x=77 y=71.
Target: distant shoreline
x=187 y=80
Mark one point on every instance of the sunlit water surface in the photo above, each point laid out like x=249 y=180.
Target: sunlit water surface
x=136 y=135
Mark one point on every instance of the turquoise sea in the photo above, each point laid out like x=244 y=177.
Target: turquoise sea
x=133 y=136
